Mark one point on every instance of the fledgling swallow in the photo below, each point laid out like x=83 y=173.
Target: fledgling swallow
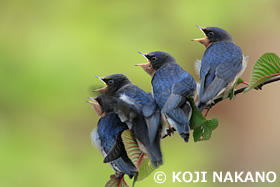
x=172 y=88
x=108 y=140
x=139 y=111
x=222 y=64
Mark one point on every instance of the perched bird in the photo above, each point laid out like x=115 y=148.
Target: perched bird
x=222 y=64
x=172 y=88
x=139 y=111
x=107 y=139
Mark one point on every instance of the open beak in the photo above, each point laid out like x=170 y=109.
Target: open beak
x=100 y=78
x=201 y=28
x=147 y=66
x=144 y=64
x=92 y=101
x=142 y=53
x=200 y=39
x=101 y=90
x=205 y=41
x=95 y=105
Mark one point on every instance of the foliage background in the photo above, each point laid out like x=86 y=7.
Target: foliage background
x=51 y=50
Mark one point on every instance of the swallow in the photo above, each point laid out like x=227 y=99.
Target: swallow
x=172 y=88
x=107 y=138
x=221 y=65
x=139 y=111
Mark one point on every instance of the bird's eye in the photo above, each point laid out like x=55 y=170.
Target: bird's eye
x=110 y=81
x=211 y=34
x=153 y=58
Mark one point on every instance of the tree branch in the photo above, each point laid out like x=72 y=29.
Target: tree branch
x=259 y=87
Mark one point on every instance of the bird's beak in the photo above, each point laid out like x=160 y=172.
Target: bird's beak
x=92 y=101
x=95 y=105
x=205 y=41
x=144 y=64
x=201 y=28
x=101 y=90
x=142 y=53
x=147 y=66
x=200 y=39
x=100 y=78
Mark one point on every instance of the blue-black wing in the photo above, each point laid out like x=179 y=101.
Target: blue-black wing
x=221 y=63
x=149 y=109
x=185 y=87
x=108 y=129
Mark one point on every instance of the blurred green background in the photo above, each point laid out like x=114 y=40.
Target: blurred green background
x=51 y=50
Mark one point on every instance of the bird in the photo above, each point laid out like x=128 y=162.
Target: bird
x=108 y=140
x=221 y=65
x=172 y=89
x=139 y=111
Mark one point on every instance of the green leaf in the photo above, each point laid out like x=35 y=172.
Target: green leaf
x=139 y=159
x=132 y=149
x=116 y=182
x=266 y=67
x=239 y=80
x=197 y=118
x=204 y=132
x=146 y=168
x=212 y=124
x=202 y=127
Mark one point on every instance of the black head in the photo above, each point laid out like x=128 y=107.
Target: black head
x=101 y=103
x=113 y=83
x=156 y=60
x=212 y=35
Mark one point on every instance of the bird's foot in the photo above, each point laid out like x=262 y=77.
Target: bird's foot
x=170 y=131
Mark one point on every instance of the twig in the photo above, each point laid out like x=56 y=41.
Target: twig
x=259 y=87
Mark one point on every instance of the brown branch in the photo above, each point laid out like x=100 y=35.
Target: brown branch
x=259 y=87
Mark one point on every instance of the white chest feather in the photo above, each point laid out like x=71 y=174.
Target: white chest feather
x=97 y=142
